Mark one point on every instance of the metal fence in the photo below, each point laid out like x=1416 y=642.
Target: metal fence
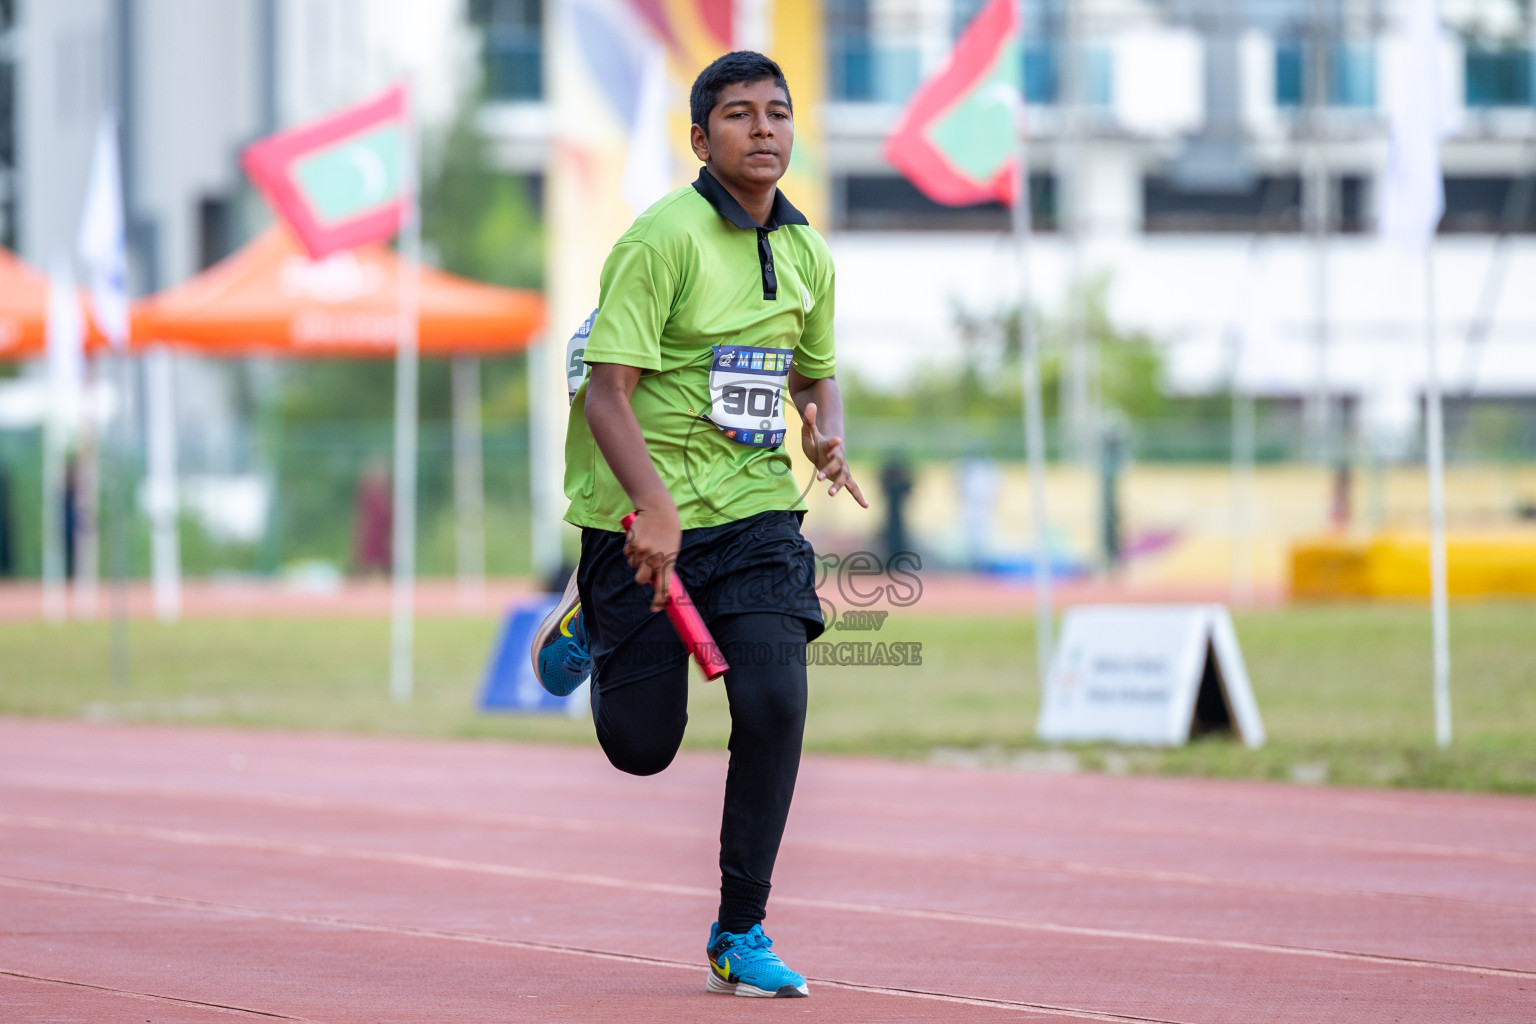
x=302 y=489
x=304 y=479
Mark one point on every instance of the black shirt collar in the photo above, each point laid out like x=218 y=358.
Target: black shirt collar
x=725 y=204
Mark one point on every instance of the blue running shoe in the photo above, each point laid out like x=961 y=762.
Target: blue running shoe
x=746 y=965
x=559 y=648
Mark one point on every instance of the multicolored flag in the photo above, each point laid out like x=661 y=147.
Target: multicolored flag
x=343 y=181
x=958 y=137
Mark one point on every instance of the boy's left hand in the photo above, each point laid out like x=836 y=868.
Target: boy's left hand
x=828 y=455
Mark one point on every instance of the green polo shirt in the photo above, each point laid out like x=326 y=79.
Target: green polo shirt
x=696 y=271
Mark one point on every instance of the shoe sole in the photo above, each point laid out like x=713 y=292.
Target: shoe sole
x=741 y=988
x=551 y=623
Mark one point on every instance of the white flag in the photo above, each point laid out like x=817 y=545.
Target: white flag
x=103 y=244
x=1412 y=193
x=66 y=343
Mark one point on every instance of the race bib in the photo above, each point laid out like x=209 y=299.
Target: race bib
x=575 y=349
x=746 y=388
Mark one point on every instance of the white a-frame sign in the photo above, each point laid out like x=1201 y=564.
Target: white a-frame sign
x=1148 y=674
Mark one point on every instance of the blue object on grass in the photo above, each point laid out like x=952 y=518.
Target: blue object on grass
x=510 y=684
x=1020 y=568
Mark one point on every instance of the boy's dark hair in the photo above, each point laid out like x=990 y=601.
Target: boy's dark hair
x=740 y=67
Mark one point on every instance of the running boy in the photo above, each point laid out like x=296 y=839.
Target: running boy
x=716 y=300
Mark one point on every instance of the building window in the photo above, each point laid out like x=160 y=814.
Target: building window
x=1098 y=78
x=1271 y=204
x=1485 y=205
x=852 y=69
x=1289 y=81
x=888 y=202
x=1040 y=73
x=215 y=234
x=1350 y=72
x=1499 y=78
x=1347 y=203
x=851 y=72
x=511 y=52
x=863 y=68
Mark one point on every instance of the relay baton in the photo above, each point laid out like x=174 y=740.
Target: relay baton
x=690 y=627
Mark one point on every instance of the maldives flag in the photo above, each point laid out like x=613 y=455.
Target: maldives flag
x=343 y=181
x=958 y=138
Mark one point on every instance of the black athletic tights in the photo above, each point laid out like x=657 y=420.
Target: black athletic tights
x=640 y=724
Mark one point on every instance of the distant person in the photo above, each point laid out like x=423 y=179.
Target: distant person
x=1339 y=506
x=7 y=538
x=896 y=482
x=71 y=514
x=373 y=522
x=1111 y=525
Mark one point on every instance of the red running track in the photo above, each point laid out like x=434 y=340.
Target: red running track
x=180 y=875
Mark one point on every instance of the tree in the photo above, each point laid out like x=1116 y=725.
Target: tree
x=478 y=220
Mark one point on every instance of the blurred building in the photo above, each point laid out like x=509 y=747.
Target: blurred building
x=192 y=83
x=1215 y=160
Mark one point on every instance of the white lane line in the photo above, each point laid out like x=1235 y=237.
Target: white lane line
x=1044 y=1008
x=1043 y=822
x=592 y=826
x=318 y=850
x=1017 y=861
x=476 y=938
x=1053 y=824
x=152 y=997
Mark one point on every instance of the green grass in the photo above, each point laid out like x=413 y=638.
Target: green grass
x=1344 y=691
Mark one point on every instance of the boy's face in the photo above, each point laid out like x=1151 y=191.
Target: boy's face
x=751 y=133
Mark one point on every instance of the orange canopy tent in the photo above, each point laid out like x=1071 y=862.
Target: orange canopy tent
x=271 y=297
x=24 y=311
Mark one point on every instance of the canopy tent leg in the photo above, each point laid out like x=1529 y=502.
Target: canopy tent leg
x=117 y=515
x=468 y=483
x=403 y=596
x=1034 y=418
x=165 y=544
x=87 y=480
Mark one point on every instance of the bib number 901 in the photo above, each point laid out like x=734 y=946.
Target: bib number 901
x=760 y=402
x=746 y=388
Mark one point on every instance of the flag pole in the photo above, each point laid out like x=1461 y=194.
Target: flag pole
x=1412 y=203
x=1434 y=445
x=403 y=604
x=1029 y=367
x=117 y=528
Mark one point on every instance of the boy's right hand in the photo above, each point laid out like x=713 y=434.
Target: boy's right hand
x=651 y=548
